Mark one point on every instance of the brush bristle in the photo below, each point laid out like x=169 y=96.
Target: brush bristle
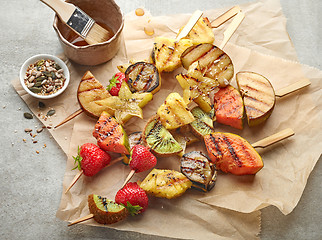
x=98 y=34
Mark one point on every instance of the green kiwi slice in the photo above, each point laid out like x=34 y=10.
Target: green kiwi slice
x=203 y=125
x=106 y=211
x=159 y=139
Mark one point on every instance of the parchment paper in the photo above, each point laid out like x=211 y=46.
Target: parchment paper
x=230 y=210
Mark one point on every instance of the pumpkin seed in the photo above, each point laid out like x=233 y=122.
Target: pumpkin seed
x=28 y=115
x=40 y=62
x=35 y=89
x=38 y=84
x=41 y=105
x=51 y=112
x=40 y=79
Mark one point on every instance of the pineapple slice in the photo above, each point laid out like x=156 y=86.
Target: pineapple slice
x=126 y=104
x=201 y=32
x=167 y=52
x=165 y=183
x=174 y=112
x=197 y=89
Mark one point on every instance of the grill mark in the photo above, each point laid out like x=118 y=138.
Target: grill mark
x=248 y=156
x=254 y=90
x=257 y=100
x=216 y=62
x=171 y=52
x=205 y=53
x=232 y=152
x=248 y=108
x=214 y=141
x=151 y=130
x=138 y=76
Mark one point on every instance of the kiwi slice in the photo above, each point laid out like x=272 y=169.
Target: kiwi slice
x=202 y=116
x=199 y=169
x=203 y=125
x=159 y=139
x=106 y=211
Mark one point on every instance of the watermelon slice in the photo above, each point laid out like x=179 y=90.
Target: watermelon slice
x=110 y=135
x=229 y=107
x=232 y=153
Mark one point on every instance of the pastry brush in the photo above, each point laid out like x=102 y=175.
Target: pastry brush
x=77 y=20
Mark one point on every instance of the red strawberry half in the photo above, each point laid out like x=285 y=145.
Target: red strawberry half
x=115 y=83
x=91 y=159
x=142 y=159
x=133 y=197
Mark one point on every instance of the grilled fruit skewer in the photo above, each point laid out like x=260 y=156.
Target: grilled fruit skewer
x=232 y=153
x=258 y=95
x=165 y=183
x=199 y=169
x=103 y=211
x=143 y=77
x=89 y=90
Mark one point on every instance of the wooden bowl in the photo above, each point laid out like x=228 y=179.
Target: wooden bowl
x=104 y=12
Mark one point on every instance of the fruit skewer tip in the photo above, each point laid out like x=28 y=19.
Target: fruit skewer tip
x=89 y=216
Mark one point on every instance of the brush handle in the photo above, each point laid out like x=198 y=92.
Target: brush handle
x=274 y=138
x=64 y=10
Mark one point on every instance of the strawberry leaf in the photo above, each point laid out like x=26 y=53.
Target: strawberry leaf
x=112 y=82
x=133 y=210
x=78 y=160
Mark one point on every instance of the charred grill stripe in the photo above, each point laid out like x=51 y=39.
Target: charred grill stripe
x=152 y=129
x=207 y=52
x=257 y=100
x=214 y=141
x=251 y=89
x=248 y=109
x=232 y=152
x=139 y=75
x=171 y=53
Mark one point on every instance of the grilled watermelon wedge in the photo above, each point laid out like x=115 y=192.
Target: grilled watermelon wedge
x=229 y=107
x=259 y=96
x=232 y=154
x=110 y=135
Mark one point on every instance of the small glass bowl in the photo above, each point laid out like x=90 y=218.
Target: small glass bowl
x=33 y=60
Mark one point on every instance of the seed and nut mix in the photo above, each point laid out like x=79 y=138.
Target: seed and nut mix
x=44 y=77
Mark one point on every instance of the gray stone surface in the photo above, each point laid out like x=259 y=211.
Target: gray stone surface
x=31 y=184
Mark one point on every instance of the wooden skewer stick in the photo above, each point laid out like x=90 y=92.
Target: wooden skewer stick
x=89 y=216
x=190 y=24
x=131 y=174
x=293 y=87
x=232 y=28
x=81 y=173
x=70 y=117
x=288 y=132
x=225 y=17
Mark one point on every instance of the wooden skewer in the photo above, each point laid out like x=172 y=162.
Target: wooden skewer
x=131 y=174
x=293 y=87
x=70 y=117
x=225 y=17
x=288 y=132
x=191 y=23
x=81 y=173
x=232 y=28
x=89 y=216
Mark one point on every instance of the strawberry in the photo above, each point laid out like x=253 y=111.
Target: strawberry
x=133 y=197
x=115 y=83
x=91 y=159
x=141 y=159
